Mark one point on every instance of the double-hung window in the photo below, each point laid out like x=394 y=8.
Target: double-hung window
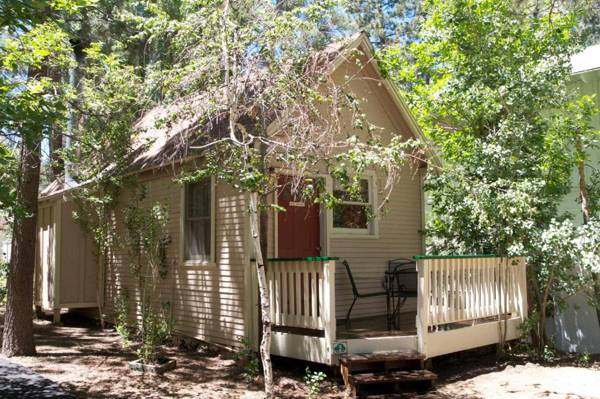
x=354 y=213
x=198 y=223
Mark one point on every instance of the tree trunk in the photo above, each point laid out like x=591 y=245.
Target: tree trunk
x=265 y=308
x=583 y=194
x=56 y=136
x=57 y=165
x=18 y=324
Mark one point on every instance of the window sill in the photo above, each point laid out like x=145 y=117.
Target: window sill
x=199 y=264
x=357 y=234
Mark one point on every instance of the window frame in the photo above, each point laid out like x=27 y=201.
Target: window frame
x=211 y=262
x=372 y=231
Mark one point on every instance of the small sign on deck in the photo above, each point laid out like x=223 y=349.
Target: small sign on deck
x=340 y=347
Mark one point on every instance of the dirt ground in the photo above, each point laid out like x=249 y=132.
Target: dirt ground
x=91 y=363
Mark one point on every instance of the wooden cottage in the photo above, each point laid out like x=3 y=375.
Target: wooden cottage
x=401 y=300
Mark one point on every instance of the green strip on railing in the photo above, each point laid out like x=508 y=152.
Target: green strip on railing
x=466 y=256
x=307 y=259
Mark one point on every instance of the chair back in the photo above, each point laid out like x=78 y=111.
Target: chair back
x=405 y=274
x=349 y=271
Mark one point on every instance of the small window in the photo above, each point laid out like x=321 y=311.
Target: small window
x=352 y=215
x=198 y=222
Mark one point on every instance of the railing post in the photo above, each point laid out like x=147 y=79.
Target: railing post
x=423 y=305
x=328 y=315
x=522 y=286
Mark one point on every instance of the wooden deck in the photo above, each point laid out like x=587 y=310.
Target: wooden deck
x=376 y=326
x=462 y=303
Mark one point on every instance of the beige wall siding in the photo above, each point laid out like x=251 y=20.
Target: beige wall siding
x=399 y=225
x=399 y=237
x=208 y=301
x=45 y=255
x=77 y=270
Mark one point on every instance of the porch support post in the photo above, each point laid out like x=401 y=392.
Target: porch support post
x=422 y=305
x=329 y=321
x=522 y=284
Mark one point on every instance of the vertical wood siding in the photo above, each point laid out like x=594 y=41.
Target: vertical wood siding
x=77 y=274
x=45 y=255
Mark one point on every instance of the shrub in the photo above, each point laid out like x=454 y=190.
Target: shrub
x=248 y=360
x=122 y=325
x=155 y=329
x=584 y=359
x=313 y=380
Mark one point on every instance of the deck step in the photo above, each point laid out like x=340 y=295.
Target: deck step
x=390 y=356
x=384 y=371
x=393 y=377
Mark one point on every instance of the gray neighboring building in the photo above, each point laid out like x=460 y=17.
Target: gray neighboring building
x=577 y=329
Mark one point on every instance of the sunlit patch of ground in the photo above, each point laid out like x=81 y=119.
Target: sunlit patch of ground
x=91 y=363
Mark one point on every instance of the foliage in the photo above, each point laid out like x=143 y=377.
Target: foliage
x=389 y=22
x=122 y=316
x=155 y=328
x=8 y=173
x=3 y=277
x=31 y=100
x=593 y=189
x=505 y=172
x=246 y=356
x=584 y=359
x=483 y=81
x=147 y=243
x=313 y=380
x=108 y=103
x=548 y=354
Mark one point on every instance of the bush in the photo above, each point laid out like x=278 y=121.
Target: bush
x=122 y=324
x=313 y=380
x=248 y=360
x=154 y=330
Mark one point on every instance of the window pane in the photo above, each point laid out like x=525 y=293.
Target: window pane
x=350 y=216
x=361 y=196
x=197 y=240
x=198 y=199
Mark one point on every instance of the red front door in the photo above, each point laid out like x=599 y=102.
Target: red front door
x=298 y=228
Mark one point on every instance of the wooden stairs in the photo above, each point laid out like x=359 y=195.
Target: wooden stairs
x=383 y=373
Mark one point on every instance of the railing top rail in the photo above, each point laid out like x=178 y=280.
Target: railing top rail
x=306 y=258
x=466 y=256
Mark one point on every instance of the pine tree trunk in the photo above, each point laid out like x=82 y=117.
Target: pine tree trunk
x=57 y=165
x=265 y=308
x=18 y=323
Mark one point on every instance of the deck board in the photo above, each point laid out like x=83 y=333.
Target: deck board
x=395 y=376
x=376 y=326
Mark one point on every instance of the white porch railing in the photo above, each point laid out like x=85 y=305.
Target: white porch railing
x=298 y=292
x=463 y=303
x=302 y=301
x=484 y=298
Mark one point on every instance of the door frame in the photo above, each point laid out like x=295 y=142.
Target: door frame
x=324 y=213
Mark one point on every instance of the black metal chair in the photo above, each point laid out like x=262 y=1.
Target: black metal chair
x=356 y=293
x=402 y=284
